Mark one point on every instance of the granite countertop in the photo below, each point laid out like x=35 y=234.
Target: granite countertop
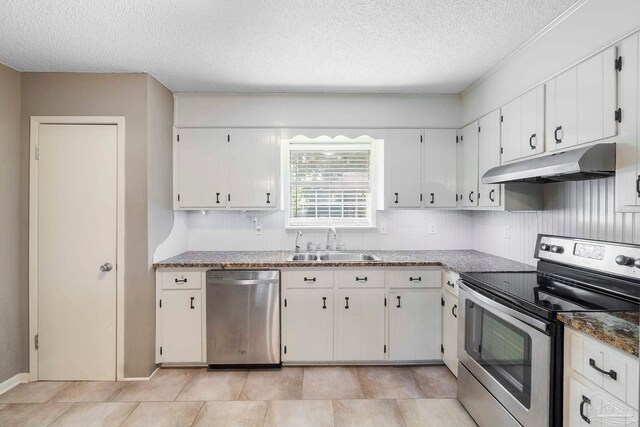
x=619 y=329
x=456 y=260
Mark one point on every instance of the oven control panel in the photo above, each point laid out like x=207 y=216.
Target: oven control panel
x=610 y=257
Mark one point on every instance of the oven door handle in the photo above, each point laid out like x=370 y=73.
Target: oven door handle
x=535 y=323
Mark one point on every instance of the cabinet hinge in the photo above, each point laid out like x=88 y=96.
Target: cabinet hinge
x=456 y=197
x=442 y=302
x=35 y=342
x=285 y=304
x=618 y=63
x=461 y=138
x=618 y=115
x=479 y=128
x=478 y=195
x=285 y=349
x=385 y=348
x=160 y=303
x=385 y=302
x=501 y=150
x=441 y=348
x=160 y=351
x=501 y=118
x=37 y=152
x=178 y=137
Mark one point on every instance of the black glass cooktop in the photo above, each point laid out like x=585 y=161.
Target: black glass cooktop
x=546 y=295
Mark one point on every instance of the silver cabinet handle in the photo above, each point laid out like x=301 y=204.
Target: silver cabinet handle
x=106 y=267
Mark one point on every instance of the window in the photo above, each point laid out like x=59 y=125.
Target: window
x=329 y=184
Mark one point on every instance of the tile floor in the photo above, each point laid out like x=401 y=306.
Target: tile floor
x=313 y=396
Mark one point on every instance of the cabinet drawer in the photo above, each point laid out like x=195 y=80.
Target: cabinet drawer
x=308 y=279
x=359 y=278
x=450 y=282
x=181 y=280
x=413 y=278
x=606 y=367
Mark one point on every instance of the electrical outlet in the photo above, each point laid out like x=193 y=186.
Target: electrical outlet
x=383 y=228
x=432 y=229
x=507 y=232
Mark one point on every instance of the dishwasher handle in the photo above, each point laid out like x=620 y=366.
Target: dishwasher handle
x=242 y=282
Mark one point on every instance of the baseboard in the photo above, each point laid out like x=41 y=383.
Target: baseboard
x=14 y=381
x=142 y=378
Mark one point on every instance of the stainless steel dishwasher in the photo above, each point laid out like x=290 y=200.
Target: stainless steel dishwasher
x=243 y=319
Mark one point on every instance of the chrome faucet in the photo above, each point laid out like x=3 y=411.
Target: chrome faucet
x=335 y=237
x=298 y=236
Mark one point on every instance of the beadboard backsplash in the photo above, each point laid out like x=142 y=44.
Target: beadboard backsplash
x=576 y=209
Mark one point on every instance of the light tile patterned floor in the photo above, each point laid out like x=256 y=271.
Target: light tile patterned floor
x=314 y=396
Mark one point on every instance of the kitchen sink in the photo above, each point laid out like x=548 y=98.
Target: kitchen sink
x=303 y=257
x=348 y=256
x=333 y=257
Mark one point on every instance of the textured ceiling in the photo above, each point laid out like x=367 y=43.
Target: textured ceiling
x=397 y=46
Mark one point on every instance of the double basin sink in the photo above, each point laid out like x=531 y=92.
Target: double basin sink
x=333 y=257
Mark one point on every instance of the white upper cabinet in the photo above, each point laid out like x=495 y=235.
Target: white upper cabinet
x=581 y=103
x=488 y=157
x=440 y=166
x=252 y=168
x=523 y=126
x=628 y=141
x=459 y=170
x=404 y=168
x=469 y=152
x=200 y=157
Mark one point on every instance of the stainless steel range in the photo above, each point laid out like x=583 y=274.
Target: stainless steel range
x=511 y=345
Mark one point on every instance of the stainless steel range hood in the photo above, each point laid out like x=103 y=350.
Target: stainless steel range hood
x=594 y=161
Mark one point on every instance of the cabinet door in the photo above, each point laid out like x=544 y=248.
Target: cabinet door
x=308 y=326
x=511 y=130
x=488 y=157
x=470 y=165
x=360 y=326
x=459 y=170
x=596 y=97
x=562 y=111
x=531 y=139
x=404 y=166
x=414 y=325
x=201 y=168
x=181 y=314
x=450 y=332
x=252 y=168
x=439 y=174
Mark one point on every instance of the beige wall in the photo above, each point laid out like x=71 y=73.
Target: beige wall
x=12 y=355
x=78 y=94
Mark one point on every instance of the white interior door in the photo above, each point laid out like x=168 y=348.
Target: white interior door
x=77 y=190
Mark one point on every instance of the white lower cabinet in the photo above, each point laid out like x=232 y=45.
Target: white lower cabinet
x=181 y=326
x=414 y=325
x=450 y=331
x=308 y=326
x=360 y=326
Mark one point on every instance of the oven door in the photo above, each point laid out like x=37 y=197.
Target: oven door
x=508 y=352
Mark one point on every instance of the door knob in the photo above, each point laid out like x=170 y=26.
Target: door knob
x=106 y=267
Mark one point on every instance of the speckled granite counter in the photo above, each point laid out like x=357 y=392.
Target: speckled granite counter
x=457 y=260
x=617 y=329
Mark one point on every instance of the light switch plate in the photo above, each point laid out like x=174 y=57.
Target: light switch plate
x=383 y=228
x=507 y=232
x=432 y=229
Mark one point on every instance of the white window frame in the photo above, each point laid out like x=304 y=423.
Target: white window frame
x=328 y=143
